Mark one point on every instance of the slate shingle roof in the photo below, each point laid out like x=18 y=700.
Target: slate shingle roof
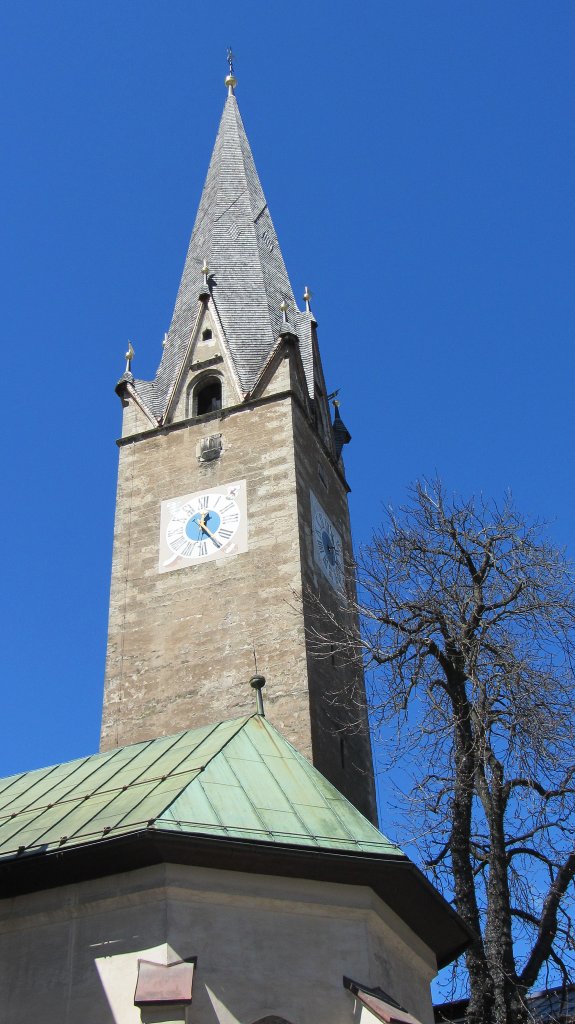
x=248 y=279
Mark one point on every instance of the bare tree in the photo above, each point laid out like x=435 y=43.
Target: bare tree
x=468 y=617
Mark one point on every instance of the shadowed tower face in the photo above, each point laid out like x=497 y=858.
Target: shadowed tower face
x=232 y=502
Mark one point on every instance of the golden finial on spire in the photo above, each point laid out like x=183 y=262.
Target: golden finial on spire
x=231 y=80
x=307 y=299
x=284 y=309
x=128 y=357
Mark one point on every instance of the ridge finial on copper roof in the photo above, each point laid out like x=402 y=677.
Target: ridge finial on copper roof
x=230 y=80
x=257 y=683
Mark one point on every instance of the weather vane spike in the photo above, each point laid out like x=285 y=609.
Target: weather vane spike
x=128 y=357
x=231 y=80
x=307 y=299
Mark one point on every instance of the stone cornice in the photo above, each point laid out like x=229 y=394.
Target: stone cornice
x=232 y=410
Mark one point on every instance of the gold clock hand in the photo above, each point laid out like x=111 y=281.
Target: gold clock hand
x=202 y=525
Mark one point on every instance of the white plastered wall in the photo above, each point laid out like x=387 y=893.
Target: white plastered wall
x=265 y=945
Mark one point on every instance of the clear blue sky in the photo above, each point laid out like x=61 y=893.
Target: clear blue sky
x=418 y=160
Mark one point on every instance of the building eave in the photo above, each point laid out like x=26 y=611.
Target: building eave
x=396 y=880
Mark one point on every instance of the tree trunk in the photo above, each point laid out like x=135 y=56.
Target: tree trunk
x=480 y=1006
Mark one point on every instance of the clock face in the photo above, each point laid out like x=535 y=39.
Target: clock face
x=203 y=526
x=327 y=546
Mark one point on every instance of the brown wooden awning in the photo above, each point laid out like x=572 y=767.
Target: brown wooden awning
x=380 y=1004
x=164 y=983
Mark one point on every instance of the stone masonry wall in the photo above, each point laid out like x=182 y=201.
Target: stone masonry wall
x=340 y=731
x=181 y=644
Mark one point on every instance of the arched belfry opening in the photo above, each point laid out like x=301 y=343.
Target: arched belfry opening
x=207 y=396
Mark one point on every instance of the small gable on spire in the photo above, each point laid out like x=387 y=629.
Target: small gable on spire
x=206 y=380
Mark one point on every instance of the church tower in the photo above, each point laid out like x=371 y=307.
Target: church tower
x=232 y=526
x=200 y=869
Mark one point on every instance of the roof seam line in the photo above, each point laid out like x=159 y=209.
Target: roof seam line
x=210 y=759
x=289 y=802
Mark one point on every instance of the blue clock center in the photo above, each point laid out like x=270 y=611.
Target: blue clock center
x=193 y=529
x=328 y=546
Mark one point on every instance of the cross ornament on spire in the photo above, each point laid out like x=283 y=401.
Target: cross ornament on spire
x=231 y=80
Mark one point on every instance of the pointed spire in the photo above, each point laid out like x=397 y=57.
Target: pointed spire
x=234 y=234
x=247 y=281
x=307 y=299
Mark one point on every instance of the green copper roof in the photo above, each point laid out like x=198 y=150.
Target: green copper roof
x=238 y=779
